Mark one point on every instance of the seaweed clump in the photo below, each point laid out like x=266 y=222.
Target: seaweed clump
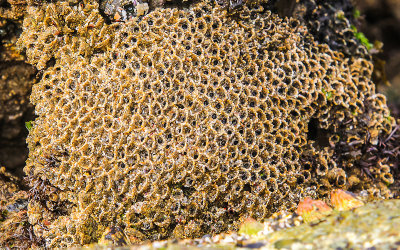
x=184 y=122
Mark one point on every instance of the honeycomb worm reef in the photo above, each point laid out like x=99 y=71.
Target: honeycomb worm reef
x=185 y=121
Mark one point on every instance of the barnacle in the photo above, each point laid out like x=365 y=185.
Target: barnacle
x=182 y=127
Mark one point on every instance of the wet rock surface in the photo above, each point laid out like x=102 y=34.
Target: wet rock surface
x=374 y=225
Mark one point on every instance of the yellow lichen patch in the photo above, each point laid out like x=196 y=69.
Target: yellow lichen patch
x=184 y=121
x=312 y=210
x=344 y=200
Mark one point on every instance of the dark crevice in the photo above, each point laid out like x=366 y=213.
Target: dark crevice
x=4 y=4
x=14 y=112
x=51 y=62
x=247 y=187
x=178 y=4
x=317 y=134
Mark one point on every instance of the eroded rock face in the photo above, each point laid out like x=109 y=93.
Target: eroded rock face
x=184 y=121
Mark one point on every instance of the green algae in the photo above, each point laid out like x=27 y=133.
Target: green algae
x=356 y=13
x=362 y=38
x=29 y=125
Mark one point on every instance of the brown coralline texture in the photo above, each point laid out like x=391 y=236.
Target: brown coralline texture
x=12 y=9
x=182 y=122
x=11 y=14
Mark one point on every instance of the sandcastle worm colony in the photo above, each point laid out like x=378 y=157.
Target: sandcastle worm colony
x=185 y=121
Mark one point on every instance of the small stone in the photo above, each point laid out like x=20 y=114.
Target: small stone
x=142 y=9
x=18 y=205
x=254 y=245
x=344 y=200
x=251 y=227
x=284 y=243
x=160 y=244
x=113 y=236
x=312 y=210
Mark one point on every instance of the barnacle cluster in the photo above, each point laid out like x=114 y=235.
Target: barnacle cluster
x=332 y=22
x=185 y=121
x=14 y=229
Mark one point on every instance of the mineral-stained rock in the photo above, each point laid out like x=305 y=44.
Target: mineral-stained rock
x=183 y=122
x=122 y=10
x=15 y=230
